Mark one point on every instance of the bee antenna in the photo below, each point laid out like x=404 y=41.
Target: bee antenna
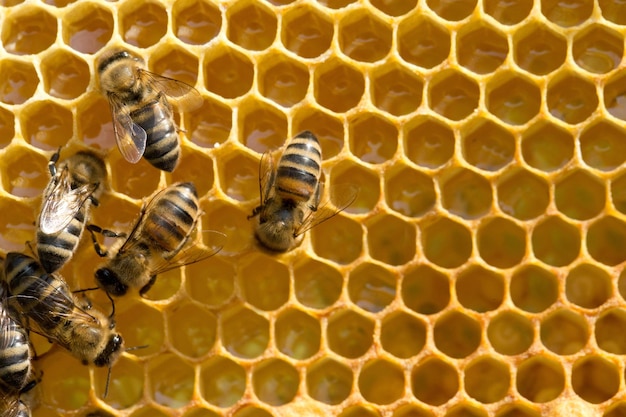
x=106 y=386
x=112 y=305
x=136 y=348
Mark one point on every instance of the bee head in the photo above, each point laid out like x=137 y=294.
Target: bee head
x=111 y=351
x=109 y=281
x=108 y=59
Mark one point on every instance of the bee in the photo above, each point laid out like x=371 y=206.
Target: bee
x=159 y=241
x=15 y=408
x=291 y=194
x=47 y=307
x=141 y=109
x=73 y=188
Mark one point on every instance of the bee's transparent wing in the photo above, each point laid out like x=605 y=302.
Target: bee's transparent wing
x=129 y=136
x=182 y=95
x=192 y=252
x=267 y=176
x=6 y=323
x=341 y=196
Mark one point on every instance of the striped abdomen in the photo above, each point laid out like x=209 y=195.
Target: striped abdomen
x=54 y=250
x=162 y=145
x=171 y=217
x=299 y=168
x=14 y=356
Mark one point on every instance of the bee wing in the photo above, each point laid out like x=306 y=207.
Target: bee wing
x=182 y=95
x=342 y=195
x=129 y=136
x=192 y=252
x=267 y=177
x=6 y=335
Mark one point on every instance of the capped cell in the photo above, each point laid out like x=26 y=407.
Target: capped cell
x=46 y=125
x=142 y=325
x=489 y=146
x=425 y=290
x=349 y=334
x=19 y=81
x=510 y=333
x=422 y=41
x=434 y=381
x=556 y=242
x=602 y=147
x=533 y=289
x=87 y=27
x=509 y=13
x=598 y=49
x=227 y=72
x=328 y=129
x=395 y=89
x=211 y=282
x=501 y=242
x=547 y=147
x=371 y=287
x=428 y=142
x=329 y=381
x=540 y=379
x=487 y=379
x=192 y=330
x=261 y=127
x=30 y=30
x=614 y=95
x=446 y=242
x=297 y=334
x=174 y=62
x=283 y=80
x=142 y=24
x=381 y=382
x=571 y=99
x=222 y=381
x=580 y=195
x=605 y=239
x=196 y=22
x=523 y=195
x=244 y=333
x=171 y=380
x=316 y=284
x=364 y=37
x=409 y=191
x=609 y=331
x=453 y=95
x=481 y=48
x=456 y=334
x=573 y=13
x=7 y=127
x=513 y=99
x=480 y=289
x=338 y=86
x=452 y=10
x=346 y=175
x=402 y=334
x=209 y=125
x=538 y=49
x=391 y=240
x=306 y=31
x=65 y=75
x=595 y=379
x=339 y=239
x=564 y=332
x=24 y=172
x=251 y=25
x=466 y=194
x=372 y=138
x=275 y=381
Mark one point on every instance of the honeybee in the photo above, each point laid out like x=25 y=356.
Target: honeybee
x=46 y=304
x=291 y=194
x=67 y=199
x=159 y=241
x=141 y=110
x=14 y=407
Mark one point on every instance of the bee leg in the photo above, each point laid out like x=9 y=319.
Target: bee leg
x=93 y=229
x=52 y=164
x=147 y=287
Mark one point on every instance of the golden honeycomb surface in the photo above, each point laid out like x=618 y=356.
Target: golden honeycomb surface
x=479 y=271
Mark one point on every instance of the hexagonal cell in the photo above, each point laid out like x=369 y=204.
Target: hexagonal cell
x=65 y=75
x=148 y=411
x=446 y=242
x=391 y=240
x=425 y=290
x=618 y=193
x=571 y=14
x=614 y=12
x=465 y=193
x=328 y=129
x=602 y=147
x=621 y=284
x=410 y=410
x=466 y=410
x=174 y=62
x=533 y=289
x=480 y=289
x=509 y=13
x=24 y=172
x=297 y=334
x=564 y=332
x=408 y=191
x=547 y=147
x=434 y=381
x=556 y=242
x=69 y=376
x=243 y=332
x=306 y=32
x=194 y=164
x=199 y=412
x=359 y=411
x=283 y=80
x=135 y=180
x=238 y=175
x=87 y=27
x=171 y=380
x=598 y=49
x=222 y=381
x=141 y=325
x=261 y=127
x=192 y=330
x=329 y=381
x=428 y=142
x=196 y=22
x=210 y=125
x=142 y=24
x=17 y=225
x=523 y=195
x=501 y=242
x=369 y=136
x=125 y=386
x=371 y=287
x=489 y=146
x=402 y=335
x=487 y=379
x=456 y=334
x=595 y=379
x=423 y=42
x=316 y=284
x=211 y=282
x=614 y=93
x=539 y=50
x=94 y=124
x=336 y=4
x=540 y=379
x=517 y=410
x=510 y=333
x=609 y=333
x=588 y=286
x=339 y=239
x=394 y=7
x=230 y=220
x=263 y=282
x=381 y=382
x=227 y=72
x=453 y=95
x=513 y=99
x=605 y=240
x=252 y=411
x=396 y=90
x=347 y=173
x=46 y=125
x=275 y=381
x=30 y=30
x=7 y=127
x=571 y=99
x=19 y=81
x=481 y=48
x=251 y=25
x=349 y=334
x=363 y=37
x=452 y=11
x=337 y=85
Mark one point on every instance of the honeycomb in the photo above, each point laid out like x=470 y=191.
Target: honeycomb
x=480 y=270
